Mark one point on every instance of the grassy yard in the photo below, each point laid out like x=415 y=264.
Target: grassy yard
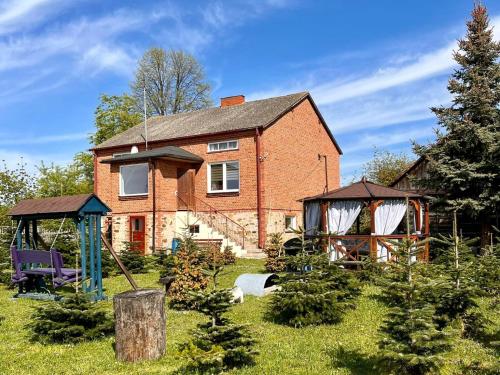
x=339 y=349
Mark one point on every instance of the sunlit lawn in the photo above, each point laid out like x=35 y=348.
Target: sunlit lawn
x=283 y=350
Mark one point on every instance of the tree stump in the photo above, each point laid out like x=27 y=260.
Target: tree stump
x=140 y=324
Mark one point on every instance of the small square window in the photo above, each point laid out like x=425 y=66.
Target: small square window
x=290 y=223
x=194 y=229
x=222 y=146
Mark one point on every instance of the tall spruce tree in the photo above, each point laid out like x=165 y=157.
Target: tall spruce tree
x=464 y=162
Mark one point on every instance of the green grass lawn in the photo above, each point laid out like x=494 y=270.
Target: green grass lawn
x=340 y=349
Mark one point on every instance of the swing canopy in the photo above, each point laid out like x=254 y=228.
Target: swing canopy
x=71 y=206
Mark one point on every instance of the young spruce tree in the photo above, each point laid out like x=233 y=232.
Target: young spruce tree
x=73 y=320
x=464 y=162
x=312 y=292
x=219 y=344
x=411 y=343
x=189 y=274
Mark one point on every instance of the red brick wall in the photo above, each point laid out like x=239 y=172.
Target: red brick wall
x=108 y=186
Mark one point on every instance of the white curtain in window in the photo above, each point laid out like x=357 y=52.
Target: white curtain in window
x=313 y=215
x=387 y=218
x=341 y=217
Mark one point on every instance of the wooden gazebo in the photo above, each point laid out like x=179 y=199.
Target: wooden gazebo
x=335 y=216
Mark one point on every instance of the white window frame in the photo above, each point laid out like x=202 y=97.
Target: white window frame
x=122 y=193
x=294 y=222
x=224 y=177
x=226 y=149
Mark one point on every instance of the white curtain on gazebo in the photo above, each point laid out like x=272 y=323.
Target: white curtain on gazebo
x=387 y=218
x=313 y=214
x=421 y=214
x=341 y=217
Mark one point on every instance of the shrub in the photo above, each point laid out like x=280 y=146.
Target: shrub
x=132 y=259
x=228 y=255
x=109 y=266
x=165 y=263
x=275 y=261
x=217 y=345
x=318 y=296
x=189 y=274
x=5 y=264
x=73 y=320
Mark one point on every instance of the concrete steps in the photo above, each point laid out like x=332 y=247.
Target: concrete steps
x=186 y=218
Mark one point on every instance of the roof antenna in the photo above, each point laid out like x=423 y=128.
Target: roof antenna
x=145 y=119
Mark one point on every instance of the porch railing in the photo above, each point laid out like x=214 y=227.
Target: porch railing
x=215 y=219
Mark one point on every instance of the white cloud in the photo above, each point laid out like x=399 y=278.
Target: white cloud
x=18 y=15
x=37 y=140
x=31 y=160
x=393 y=137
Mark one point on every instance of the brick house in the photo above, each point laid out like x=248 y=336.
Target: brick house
x=234 y=172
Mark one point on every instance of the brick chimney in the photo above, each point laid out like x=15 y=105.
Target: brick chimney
x=232 y=100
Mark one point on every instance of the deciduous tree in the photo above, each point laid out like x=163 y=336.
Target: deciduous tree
x=113 y=115
x=174 y=82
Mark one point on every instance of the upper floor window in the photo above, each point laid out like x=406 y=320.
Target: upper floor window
x=224 y=177
x=117 y=154
x=134 y=179
x=222 y=146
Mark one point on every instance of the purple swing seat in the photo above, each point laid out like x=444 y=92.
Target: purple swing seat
x=60 y=275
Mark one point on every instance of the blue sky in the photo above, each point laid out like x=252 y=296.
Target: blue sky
x=373 y=67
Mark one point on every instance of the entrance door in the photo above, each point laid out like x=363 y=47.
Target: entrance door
x=137 y=233
x=185 y=189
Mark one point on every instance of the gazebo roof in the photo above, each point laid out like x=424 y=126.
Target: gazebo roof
x=59 y=207
x=364 y=190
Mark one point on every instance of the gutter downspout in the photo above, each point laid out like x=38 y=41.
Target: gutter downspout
x=260 y=214
x=95 y=172
x=153 y=163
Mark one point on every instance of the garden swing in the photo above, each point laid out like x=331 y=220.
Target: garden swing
x=31 y=265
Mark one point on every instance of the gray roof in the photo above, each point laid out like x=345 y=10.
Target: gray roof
x=168 y=152
x=250 y=115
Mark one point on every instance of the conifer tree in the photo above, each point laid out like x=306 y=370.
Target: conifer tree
x=275 y=261
x=132 y=258
x=229 y=257
x=455 y=289
x=464 y=162
x=312 y=292
x=73 y=320
x=189 y=274
x=218 y=344
x=410 y=343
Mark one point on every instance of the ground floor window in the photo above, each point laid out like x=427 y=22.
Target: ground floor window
x=194 y=229
x=290 y=223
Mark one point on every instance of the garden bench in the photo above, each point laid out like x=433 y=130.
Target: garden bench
x=23 y=271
